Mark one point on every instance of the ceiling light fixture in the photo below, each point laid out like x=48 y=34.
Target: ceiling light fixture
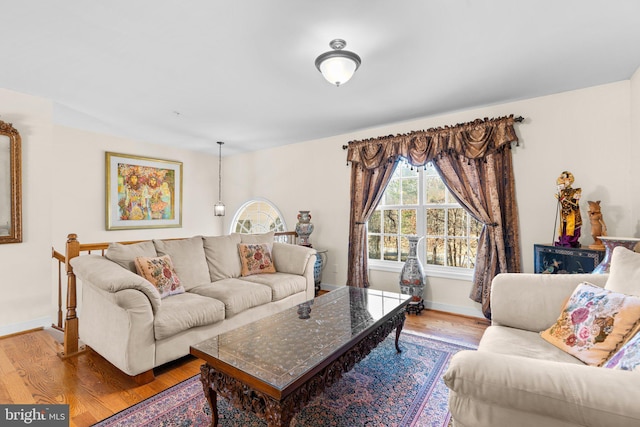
x=337 y=65
x=218 y=208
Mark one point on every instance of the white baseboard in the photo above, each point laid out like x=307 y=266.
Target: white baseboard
x=455 y=309
x=14 y=328
x=45 y=322
x=328 y=287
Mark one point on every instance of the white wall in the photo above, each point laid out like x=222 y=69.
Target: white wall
x=593 y=132
x=308 y=176
x=635 y=150
x=586 y=132
x=64 y=192
x=80 y=196
x=26 y=276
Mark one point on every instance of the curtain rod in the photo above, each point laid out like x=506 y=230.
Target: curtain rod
x=517 y=119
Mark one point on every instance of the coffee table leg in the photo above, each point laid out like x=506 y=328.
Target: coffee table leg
x=210 y=394
x=278 y=414
x=398 y=330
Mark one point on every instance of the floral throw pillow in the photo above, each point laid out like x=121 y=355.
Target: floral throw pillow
x=628 y=357
x=593 y=323
x=160 y=272
x=255 y=258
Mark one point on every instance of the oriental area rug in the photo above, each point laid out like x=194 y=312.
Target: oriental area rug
x=384 y=389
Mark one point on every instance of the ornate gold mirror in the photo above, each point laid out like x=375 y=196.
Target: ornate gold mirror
x=10 y=184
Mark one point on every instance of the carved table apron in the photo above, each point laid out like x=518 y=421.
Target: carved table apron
x=278 y=406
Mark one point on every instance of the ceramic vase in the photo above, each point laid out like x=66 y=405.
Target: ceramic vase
x=609 y=244
x=304 y=228
x=412 y=280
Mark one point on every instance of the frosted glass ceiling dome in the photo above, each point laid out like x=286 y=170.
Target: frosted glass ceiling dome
x=338 y=66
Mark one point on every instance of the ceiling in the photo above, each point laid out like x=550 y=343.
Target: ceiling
x=190 y=73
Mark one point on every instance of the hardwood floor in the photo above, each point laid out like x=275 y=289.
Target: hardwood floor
x=31 y=371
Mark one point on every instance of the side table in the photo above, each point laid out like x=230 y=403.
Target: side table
x=552 y=259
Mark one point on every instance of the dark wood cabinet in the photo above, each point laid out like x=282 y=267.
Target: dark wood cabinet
x=560 y=260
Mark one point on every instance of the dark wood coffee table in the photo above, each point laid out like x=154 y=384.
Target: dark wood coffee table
x=273 y=367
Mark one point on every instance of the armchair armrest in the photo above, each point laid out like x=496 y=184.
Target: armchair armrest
x=291 y=259
x=579 y=394
x=109 y=276
x=533 y=301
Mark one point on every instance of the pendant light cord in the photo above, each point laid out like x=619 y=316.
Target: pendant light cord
x=220 y=171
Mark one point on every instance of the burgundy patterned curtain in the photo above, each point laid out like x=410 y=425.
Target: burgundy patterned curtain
x=474 y=161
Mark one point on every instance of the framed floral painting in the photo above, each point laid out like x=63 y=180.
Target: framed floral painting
x=142 y=192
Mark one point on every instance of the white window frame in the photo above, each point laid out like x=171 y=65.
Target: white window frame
x=458 y=273
x=236 y=216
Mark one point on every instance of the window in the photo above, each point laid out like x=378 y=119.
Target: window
x=257 y=216
x=416 y=202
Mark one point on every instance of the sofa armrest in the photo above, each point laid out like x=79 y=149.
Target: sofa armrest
x=290 y=258
x=533 y=301
x=579 y=394
x=110 y=277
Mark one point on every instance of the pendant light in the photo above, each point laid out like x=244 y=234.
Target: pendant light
x=337 y=65
x=218 y=208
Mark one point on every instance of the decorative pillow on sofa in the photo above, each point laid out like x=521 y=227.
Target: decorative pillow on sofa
x=628 y=357
x=188 y=258
x=125 y=255
x=624 y=272
x=593 y=323
x=256 y=258
x=160 y=272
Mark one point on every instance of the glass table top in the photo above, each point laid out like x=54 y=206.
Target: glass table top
x=281 y=348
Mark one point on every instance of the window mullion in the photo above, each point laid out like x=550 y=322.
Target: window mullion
x=421 y=216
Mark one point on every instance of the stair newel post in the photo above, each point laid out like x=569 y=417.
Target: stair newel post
x=71 y=334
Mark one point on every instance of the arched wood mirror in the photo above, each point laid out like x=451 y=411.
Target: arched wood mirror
x=10 y=184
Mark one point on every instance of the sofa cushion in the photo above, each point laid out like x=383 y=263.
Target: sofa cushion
x=160 y=273
x=256 y=238
x=593 y=323
x=188 y=259
x=236 y=294
x=523 y=343
x=222 y=257
x=186 y=311
x=504 y=390
x=628 y=357
x=125 y=255
x=282 y=284
x=624 y=272
x=255 y=258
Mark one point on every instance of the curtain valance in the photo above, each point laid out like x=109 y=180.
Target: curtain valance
x=472 y=140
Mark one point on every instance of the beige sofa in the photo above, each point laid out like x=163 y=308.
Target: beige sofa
x=518 y=379
x=123 y=318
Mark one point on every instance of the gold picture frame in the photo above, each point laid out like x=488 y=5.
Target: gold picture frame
x=142 y=192
x=10 y=184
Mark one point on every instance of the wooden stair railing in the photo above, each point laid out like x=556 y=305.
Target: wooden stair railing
x=74 y=248
x=60 y=258
x=286 y=237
